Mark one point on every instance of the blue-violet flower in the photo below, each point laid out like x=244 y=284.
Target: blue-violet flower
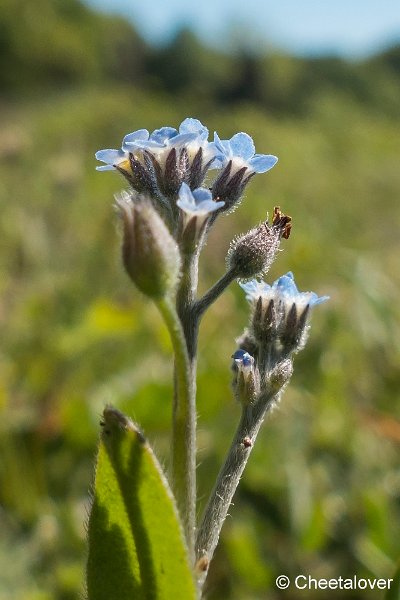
x=240 y=150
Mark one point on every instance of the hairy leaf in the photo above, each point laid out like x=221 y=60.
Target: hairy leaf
x=136 y=545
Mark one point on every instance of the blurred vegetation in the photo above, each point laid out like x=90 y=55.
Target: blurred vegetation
x=321 y=495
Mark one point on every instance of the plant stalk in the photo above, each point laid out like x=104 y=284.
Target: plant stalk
x=201 y=305
x=183 y=465
x=228 y=479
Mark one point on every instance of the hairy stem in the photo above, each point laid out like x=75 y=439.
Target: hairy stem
x=183 y=426
x=186 y=300
x=213 y=293
x=228 y=479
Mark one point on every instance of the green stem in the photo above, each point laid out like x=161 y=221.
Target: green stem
x=201 y=305
x=228 y=479
x=183 y=426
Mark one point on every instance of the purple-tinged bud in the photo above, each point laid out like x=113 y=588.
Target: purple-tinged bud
x=265 y=321
x=150 y=254
x=252 y=253
x=229 y=187
x=140 y=177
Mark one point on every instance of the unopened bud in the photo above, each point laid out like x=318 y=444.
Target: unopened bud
x=252 y=253
x=246 y=383
x=150 y=254
x=230 y=184
x=281 y=374
x=295 y=328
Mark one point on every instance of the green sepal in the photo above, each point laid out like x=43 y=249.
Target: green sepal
x=136 y=545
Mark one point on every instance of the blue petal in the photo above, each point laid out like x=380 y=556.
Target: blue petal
x=261 y=163
x=249 y=286
x=141 y=145
x=223 y=146
x=202 y=195
x=242 y=145
x=182 y=138
x=210 y=206
x=217 y=205
x=318 y=300
x=163 y=134
x=136 y=136
x=239 y=354
x=106 y=168
x=244 y=357
x=215 y=152
x=110 y=155
x=185 y=195
x=254 y=288
x=286 y=285
x=194 y=126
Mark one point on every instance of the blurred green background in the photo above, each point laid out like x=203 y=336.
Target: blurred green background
x=321 y=495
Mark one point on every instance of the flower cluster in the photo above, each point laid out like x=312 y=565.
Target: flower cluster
x=278 y=326
x=171 y=165
x=166 y=216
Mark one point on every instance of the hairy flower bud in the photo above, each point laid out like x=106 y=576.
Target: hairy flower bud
x=150 y=254
x=281 y=374
x=252 y=253
x=246 y=383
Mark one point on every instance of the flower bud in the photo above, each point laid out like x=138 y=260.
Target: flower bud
x=150 y=254
x=246 y=383
x=280 y=375
x=252 y=253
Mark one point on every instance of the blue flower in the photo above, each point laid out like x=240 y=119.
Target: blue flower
x=198 y=202
x=243 y=358
x=240 y=150
x=283 y=291
x=280 y=314
x=120 y=157
x=112 y=157
x=192 y=135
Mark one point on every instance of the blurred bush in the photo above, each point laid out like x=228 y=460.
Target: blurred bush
x=321 y=492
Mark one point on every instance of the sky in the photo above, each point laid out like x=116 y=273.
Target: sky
x=351 y=28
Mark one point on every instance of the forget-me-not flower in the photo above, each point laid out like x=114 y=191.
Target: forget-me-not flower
x=197 y=202
x=283 y=290
x=120 y=157
x=240 y=150
x=192 y=135
x=239 y=164
x=196 y=206
x=280 y=311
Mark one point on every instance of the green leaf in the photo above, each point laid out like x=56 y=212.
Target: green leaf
x=136 y=545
